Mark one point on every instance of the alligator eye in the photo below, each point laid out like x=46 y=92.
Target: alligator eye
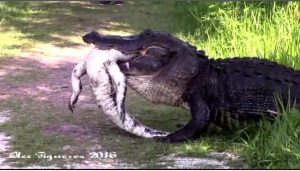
x=155 y=65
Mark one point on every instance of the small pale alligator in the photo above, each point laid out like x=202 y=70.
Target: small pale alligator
x=103 y=71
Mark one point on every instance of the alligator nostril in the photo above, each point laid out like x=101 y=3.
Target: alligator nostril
x=155 y=65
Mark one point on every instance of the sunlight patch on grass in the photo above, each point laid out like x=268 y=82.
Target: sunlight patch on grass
x=13 y=43
x=268 y=30
x=196 y=149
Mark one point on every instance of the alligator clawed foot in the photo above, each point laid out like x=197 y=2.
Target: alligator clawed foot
x=71 y=107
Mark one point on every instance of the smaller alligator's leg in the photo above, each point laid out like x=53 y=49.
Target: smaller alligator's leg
x=120 y=81
x=78 y=71
x=199 y=122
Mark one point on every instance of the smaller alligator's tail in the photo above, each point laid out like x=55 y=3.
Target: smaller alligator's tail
x=102 y=90
x=119 y=80
x=78 y=71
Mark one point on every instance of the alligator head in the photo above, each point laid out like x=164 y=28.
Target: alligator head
x=162 y=68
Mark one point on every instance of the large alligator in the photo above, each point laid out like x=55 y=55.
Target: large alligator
x=215 y=90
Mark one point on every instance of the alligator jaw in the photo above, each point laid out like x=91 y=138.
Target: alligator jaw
x=124 y=44
x=162 y=68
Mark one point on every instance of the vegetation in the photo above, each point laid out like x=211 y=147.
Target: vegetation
x=274 y=145
x=268 y=30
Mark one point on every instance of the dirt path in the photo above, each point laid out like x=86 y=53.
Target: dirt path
x=48 y=80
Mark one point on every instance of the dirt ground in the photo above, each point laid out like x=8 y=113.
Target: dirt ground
x=52 y=86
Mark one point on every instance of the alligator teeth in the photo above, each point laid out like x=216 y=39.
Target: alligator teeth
x=127 y=65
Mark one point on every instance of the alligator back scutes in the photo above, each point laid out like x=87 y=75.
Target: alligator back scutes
x=259 y=67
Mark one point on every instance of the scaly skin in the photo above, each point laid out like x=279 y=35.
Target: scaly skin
x=234 y=91
x=216 y=91
x=244 y=89
x=102 y=90
x=101 y=67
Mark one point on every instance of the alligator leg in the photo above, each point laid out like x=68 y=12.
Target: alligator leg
x=199 y=122
x=120 y=81
x=78 y=71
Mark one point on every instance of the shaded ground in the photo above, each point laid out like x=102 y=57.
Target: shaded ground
x=35 y=87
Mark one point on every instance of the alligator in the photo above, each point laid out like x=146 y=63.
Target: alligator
x=219 y=91
x=103 y=71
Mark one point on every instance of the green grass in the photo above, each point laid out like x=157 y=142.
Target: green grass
x=11 y=40
x=275 y=145
x=268 y=30
x=25 y=127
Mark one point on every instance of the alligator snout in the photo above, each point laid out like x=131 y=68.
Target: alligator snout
x=125 y=44
x=90 y=37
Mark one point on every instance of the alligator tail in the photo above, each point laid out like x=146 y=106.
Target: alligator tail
x=119 y=80
x=103 y=92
